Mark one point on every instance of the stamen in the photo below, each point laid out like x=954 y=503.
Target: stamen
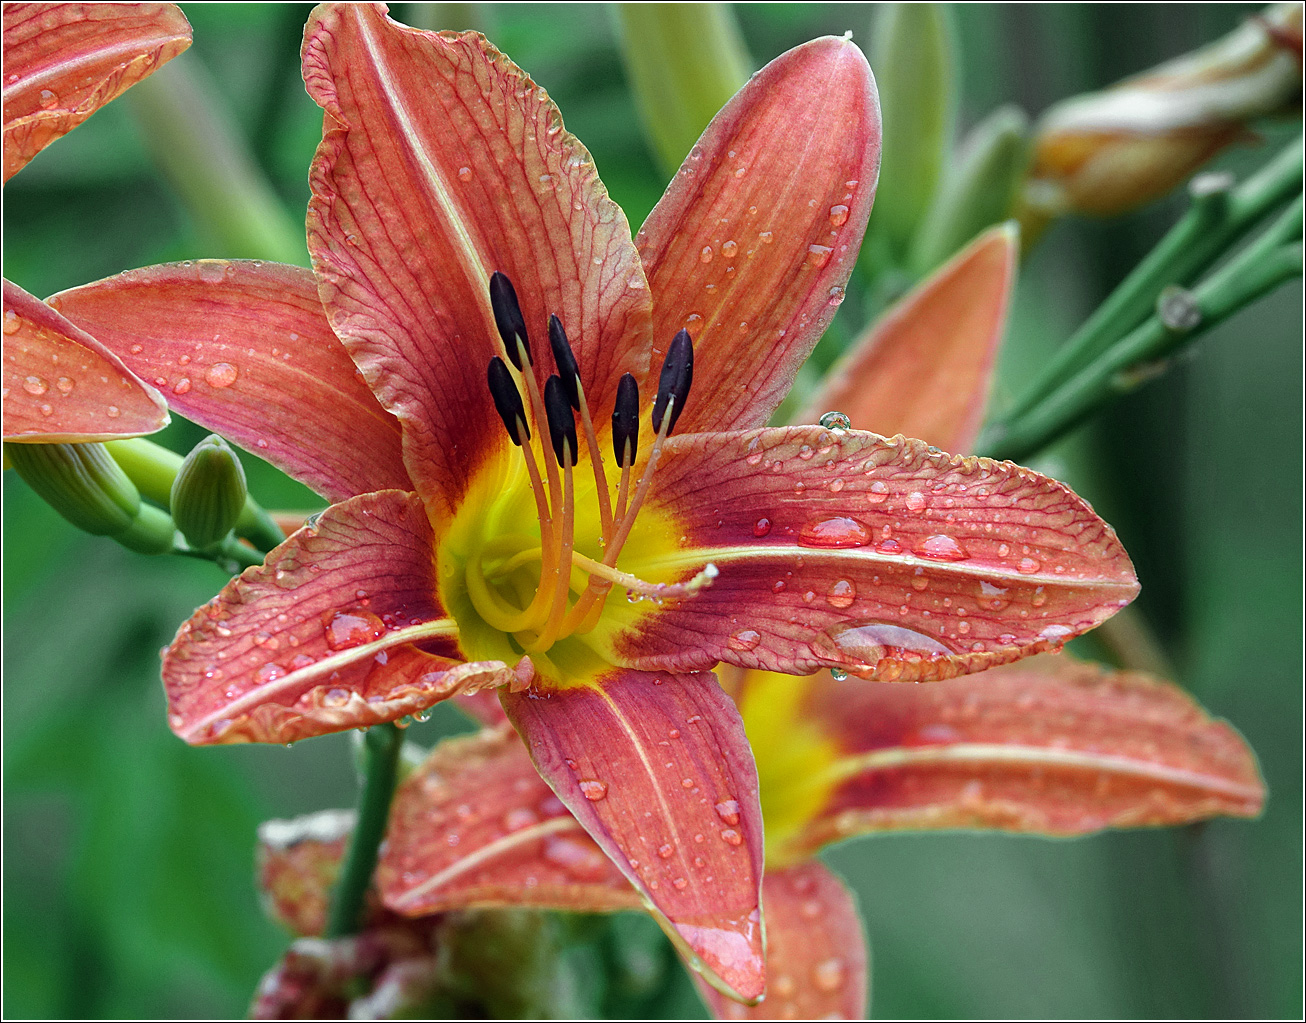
x=562 y=432
x=562 y=424
x=657 y=591
x=507 y=400
x=677 y=375
x=625 y=434
x=569 y=373
x=508 y=318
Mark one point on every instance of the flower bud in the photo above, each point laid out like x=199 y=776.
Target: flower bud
x=81 y=482
x=1107 y=152
x=208 y=493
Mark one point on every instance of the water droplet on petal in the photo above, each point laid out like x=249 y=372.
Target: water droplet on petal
x=745 y=639
x=833 y=533
x=766 y=237
x=665 y=850
x=705 y=256
x=47 y=99
x=835 y=297
x=915 y=501
x=838 y=674
x=818 y=255
x=865 y=643
x=182 y=386
x=841 y=594
x=728 y=811
x=729 y=249
x=836 y=421
x=221 y=374
x=828 y=975
x=941 y=547
x=346 y=629
x=838 y=215
x=761 y=527
x=35 y=386
x=464 y=174
x=593 y=790
x=732 y=836
x=113 y=411
x=65 y=384
x=1028 y=566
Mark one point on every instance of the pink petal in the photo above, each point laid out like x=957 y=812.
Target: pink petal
x=754 y=240
x=657 y=769
x=63 y=62
x=243 y=348
x=340 y=628
x=924 y=368
x=475 y=825
x=441 y=163
x=1049 y=745
x=62 y=385
x=816 y=958
x=880 y=557
x=298 y=862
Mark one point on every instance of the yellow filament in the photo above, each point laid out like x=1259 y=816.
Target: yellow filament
x=566 y=545
x=596 y=462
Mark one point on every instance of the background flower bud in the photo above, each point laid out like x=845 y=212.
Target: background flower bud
x=1107 y=152
x=81 y=482
x=208 y=493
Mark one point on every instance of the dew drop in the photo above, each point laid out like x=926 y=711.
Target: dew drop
x=113 y=412
x=818 y=255
x=838 y=674
x=521 y=817
x=665 y=850
x=766 y=237
x=729 y=249
x=464 y=174
x=705 y=256
x=47 y=99
x=593 y=790
x=1028 y=566
x=761 y=527
x=346 y=629
x=728 y=811
x=221 y=374
x=838 y=215
x=868 y=642
x=919 y=582
x=269 y=673
x=182 y=386
x=841 y=594
x=836 y=421
x=941 y=547
x=65 y=384
x=915 y=501
x=834 y=533
x=732 y=836
x=35 y=386
x=836 y=297
x=828 y=975
x=745 y=639
x=680 y=884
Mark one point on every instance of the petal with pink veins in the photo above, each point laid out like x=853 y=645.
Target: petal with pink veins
x=658 y=770
x=64 y=61
x=61 y=385
x=339 y=629
x=475 y=825
x=1050 y=746
x=298 y=862
x=441 y=163
x=881 y=557
x=816 y=958
x=752 y=244
x=243 y=348
x=924 y=368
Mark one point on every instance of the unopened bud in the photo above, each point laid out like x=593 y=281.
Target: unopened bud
x=208 y=493
x=81 y=482
x=1107 y=152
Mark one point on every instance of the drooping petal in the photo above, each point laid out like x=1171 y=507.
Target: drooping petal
x=338 y=629
x=1049 y=745
x=61 y=385
x=64 y=61
x=816 y=957
x=441 y=163
x=475 y=825
x=657 y=769
x=242 y=347
x=751 y=245
x=298 y=862
x=924 y=368
x=881 y=557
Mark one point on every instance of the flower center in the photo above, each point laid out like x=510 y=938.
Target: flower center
x=533 y=557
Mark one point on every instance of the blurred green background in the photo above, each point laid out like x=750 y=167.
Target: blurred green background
x=128 y=856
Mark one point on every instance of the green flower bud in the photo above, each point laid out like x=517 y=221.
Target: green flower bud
x=208 y=493
x=81 y=482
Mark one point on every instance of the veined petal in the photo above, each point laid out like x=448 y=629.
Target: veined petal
x=243 y=348
x=442 y=162
x=881 y=557
x=61 y=385
x=64 y=61
x=816 y=954
x=751 y=245
x=298 y=862
x=924 y=368
x=475 y=825
x=1049 y=745
x=657 y=769
x=339 y=628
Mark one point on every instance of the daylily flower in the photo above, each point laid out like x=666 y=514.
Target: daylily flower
x=1107 y=152
x=479 y=543
x=1049 y=746
x=62 y=62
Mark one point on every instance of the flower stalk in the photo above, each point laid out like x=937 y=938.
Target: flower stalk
x=1126 y=322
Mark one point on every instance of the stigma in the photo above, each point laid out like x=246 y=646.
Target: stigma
x=540 y=592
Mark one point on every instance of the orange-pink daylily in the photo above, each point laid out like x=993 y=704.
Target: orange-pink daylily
x=456 y=560
x=62 y=62
x=1049 y=746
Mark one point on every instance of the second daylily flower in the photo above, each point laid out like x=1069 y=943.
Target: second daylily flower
x=456 y=559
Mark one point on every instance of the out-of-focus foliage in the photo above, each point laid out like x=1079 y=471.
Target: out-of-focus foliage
x=129 y=857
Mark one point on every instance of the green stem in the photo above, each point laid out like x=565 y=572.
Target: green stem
x=229 y=553
x=1216 y=220
x=382 y=744
x=1272 y=258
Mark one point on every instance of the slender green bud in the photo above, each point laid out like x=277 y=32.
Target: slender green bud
x=684 y=62
x=81 y=482
x=913 y=52
x=980 y=191
x=151 y=532
x=208 y=493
